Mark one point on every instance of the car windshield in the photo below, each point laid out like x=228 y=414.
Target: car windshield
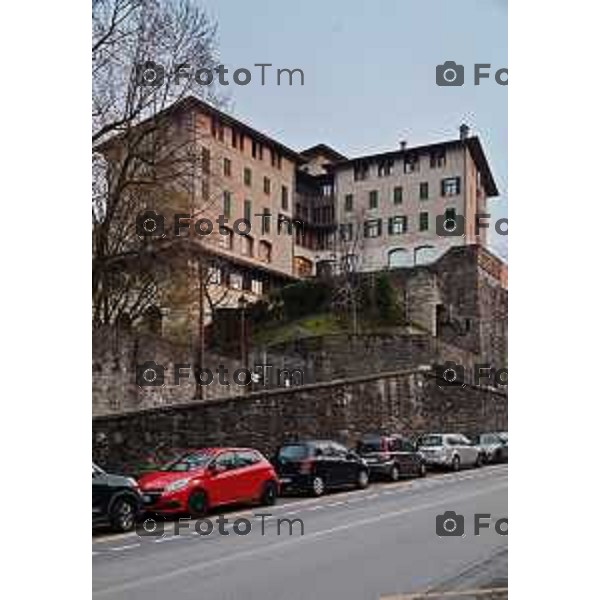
x=294 y=452
x=369 y=446
x=431 y=440
x=187 y=462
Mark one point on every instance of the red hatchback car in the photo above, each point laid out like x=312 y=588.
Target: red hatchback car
x=209 y=477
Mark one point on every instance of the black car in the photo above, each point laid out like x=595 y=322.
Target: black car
x=391 y=456
x=116 y=500
x=317 y=466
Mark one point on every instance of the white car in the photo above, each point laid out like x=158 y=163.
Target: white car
x=449 y=450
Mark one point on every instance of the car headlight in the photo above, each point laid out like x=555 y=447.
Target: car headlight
x=177 y=485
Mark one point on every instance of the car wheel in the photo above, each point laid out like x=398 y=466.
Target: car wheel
x=269 y=494
x=498 y=456
x=456 y=463
x=318 y=486
x=363 y=479
x=123 y=514
x=478 y=461
x=198 y=504
x=394 y=473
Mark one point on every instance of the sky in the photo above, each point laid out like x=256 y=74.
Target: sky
x=369 y=74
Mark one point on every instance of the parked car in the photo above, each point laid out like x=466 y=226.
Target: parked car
x=449 y=450
x=318 y=466
x=391 y=456
x=494 y=446
x=116 y=500
x=205 y=478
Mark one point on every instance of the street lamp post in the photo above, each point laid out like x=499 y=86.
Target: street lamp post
x=242 y=303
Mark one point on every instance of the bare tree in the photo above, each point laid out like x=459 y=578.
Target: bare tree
x=145 y=150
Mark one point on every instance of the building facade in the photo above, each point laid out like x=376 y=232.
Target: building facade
x=279 y=215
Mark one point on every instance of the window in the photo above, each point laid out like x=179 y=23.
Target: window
x=247 y=245
x=205 y=189
x=372 y=228
x=450 y=215
x=205 y=159
x=451 y=186
x=260 y=152
x=267 y=185
x=384 y=168
x=214 y=276
x=423 y=221
x=284 y=197
x=227 y=204
x=266 y=221
x=221 y=133
x=234 y=138
x=411 y=164
x=256 y=287
x=226 y=238
x=437 y=159
x=397 y=225
x=398 y=195
x=327 y=189
x=361 y=171
x=247 y=176
x=248 y=210
x=226 y=460
x=346 y=232
x=348 y=201
x=373 y=199
x=236 y=281
x=254 y=149
x=226 y=167
x=264 y=251
x=246 y=458
x=241 y=142
x=423 y=190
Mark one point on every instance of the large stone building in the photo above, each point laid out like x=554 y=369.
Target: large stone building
x=317 y=210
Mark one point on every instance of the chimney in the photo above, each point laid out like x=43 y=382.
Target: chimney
x=464 y=131
x=402 y=144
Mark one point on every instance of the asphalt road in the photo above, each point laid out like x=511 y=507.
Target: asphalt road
x=358 y=545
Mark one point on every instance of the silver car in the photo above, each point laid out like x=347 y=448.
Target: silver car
x=449 y=450
x=494 y=446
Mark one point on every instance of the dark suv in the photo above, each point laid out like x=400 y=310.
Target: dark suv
x=116 y=500
x=391 y=456
x=319 y=465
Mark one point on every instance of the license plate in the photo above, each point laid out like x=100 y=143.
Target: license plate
x=147 y=499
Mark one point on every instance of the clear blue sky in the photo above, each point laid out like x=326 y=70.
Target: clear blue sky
x=369 y=71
